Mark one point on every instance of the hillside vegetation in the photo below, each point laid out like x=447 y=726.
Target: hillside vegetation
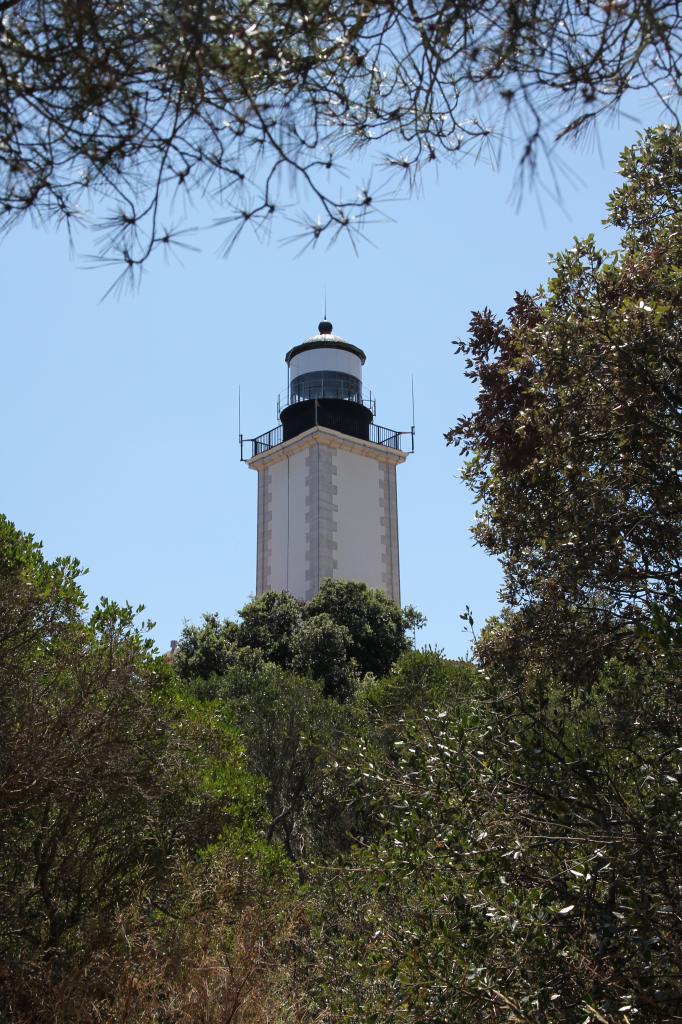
x=301 y=818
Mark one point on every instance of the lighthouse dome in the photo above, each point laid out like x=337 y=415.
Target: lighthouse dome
x=325 y=365
x=325 y=384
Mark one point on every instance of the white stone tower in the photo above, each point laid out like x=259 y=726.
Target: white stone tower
x=327 y=503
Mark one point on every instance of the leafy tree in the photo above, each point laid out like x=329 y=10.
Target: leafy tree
x=320 y=650
x=291 y=732
x=574 y=447
x=528 y=866
x=376 y=624
x=268 y=625
x=106 y=768
x=126 y=106
x=37 y=598
x=528 y=862
x=346 y=630
x=206 y=649
x=418 y=679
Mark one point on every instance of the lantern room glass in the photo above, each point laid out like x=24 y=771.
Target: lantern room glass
x=325 y=384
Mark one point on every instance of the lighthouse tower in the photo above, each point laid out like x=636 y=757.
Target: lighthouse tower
x=327 y=503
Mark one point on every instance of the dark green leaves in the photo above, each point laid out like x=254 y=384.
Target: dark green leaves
x=574 y=450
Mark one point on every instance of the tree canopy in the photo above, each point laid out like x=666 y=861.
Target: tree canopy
x=574 y=447
x=107 y=768
x=345 y=631
x=112 y=111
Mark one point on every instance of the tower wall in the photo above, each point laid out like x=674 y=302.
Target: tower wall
x=327 y=508
x=359 y=529
x=281 y=525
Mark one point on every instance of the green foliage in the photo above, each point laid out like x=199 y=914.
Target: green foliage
x=573 y=451
x=268 y=625
x=376 y=624
x=650 y=199
x=291 y=732
x=207 y=649
x=474 y=843
x=107 y=769
x=347 y=630
x=320 y=649
x=36 y=598
x=529 y=866
x=419 y=679
x=275 y=673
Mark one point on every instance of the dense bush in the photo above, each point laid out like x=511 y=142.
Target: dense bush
x=347 y=630
x=108 y=770
x=529 y=866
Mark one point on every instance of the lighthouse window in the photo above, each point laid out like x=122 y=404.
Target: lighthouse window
x=325 y=384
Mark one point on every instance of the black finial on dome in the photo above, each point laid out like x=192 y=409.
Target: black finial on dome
x=325 y=327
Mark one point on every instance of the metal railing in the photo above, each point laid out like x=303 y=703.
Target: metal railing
x=262 y=443
x=384 y=436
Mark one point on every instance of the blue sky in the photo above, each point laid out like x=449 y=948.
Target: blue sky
x=119 y=419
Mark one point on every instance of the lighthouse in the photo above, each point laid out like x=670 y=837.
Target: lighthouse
x=327 y=498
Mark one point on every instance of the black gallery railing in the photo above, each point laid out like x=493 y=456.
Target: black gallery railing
x=385 y=436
